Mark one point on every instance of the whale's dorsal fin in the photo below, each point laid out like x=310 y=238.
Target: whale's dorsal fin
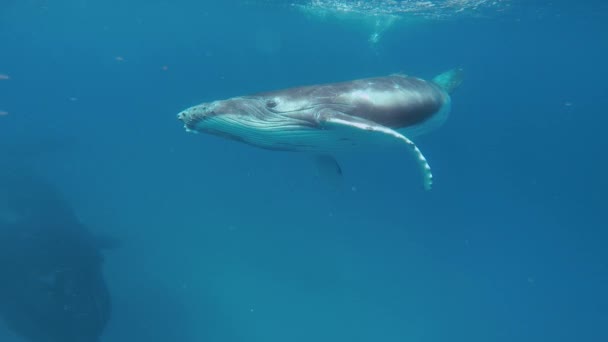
x=330 y=119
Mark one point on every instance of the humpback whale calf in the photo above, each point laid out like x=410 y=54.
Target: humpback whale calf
x=324 y=119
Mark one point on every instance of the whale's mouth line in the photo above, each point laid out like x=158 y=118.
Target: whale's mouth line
x=280 y=133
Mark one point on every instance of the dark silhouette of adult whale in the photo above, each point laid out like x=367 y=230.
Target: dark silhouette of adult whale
x=324 y=119
x=52 y=287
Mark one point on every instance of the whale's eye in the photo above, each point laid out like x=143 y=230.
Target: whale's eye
x=271 y=103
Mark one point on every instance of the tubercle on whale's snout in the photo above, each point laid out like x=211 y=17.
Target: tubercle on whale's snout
x=189 y=120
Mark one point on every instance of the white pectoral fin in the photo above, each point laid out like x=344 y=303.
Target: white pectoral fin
x=342 y=121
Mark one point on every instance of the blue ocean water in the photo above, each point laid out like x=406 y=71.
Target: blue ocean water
x=225 y=242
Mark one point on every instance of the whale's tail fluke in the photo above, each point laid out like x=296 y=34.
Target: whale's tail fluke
x=450 y=80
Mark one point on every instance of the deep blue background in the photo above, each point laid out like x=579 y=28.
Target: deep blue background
x=224 y=242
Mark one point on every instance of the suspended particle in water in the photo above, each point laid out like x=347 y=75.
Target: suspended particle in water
x=4 y=77
x=3 y=113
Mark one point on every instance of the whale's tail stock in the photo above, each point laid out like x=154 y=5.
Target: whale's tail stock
x=450 y=80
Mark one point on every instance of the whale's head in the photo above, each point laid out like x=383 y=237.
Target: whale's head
x=209 y=116
x=250 y=119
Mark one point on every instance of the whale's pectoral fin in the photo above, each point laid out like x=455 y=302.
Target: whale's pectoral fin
x=328 y=164
x=330 y=119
